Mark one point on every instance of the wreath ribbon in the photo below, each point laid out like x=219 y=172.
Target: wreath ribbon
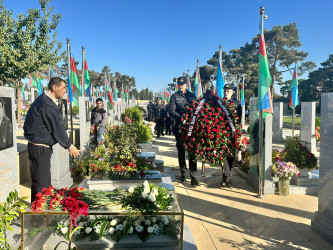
x=217 y=100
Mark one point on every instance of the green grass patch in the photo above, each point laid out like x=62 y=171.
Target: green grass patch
x=289 y=119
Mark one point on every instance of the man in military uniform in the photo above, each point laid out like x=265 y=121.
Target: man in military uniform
x=227 y=165
x=6 y=129
x=177 y=103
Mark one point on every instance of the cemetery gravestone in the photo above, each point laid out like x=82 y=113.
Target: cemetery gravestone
x=308 y=125
x=64 y=112
x=277 y=121
x=9 y=174
x=84 y=125
x=323 y=219
x=34 y=94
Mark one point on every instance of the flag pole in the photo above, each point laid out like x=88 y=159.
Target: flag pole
x=82 y=73
x=70 y=103
x=261 y=134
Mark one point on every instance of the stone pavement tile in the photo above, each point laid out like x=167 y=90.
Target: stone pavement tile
x=224 y=236
x=249 y=220
x=273 y=235
x=200 y=234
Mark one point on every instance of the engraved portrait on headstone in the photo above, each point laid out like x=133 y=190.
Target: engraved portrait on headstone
x=87 y=112
x=35 y=94
x=6 y=128
x=64 y=112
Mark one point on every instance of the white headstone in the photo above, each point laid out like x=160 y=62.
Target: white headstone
x=308 y=125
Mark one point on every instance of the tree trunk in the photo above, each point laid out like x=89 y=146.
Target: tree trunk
x=19 y=103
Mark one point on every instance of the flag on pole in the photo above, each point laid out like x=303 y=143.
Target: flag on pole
x=188 y=83
x=110 y=100
x=33 y=80
x=51 y=74
x=39 y=84
x=127 y=96
x=264 y=91
x=115 y=89
x=122 y=93
x=86 y=80
x=219 y=75
x=294 y=90
x=197 y=82
x=76 y=89
x=22 y=92
x=242 y=94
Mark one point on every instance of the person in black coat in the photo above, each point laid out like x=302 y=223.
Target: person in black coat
x=168 y=122
x=227 y=166
x=159 y=116
x=177 y=103
x=43 y=128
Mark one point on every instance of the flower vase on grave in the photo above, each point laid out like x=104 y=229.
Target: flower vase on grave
x=284 y=187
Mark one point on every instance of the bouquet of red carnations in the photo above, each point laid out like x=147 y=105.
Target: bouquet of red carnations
x=210 y=129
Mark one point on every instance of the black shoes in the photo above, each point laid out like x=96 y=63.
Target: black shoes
x=194 y=181
x=224 y=184
x=183 y=178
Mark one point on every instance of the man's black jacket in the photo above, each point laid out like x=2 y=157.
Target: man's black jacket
x=177 y=103
x=43 y=123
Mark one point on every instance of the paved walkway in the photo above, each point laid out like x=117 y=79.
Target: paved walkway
x=235 y=218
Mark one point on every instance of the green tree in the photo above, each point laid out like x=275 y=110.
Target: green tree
x=319 y=81
x=31 y=46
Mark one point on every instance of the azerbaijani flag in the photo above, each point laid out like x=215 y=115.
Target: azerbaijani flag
x=127 y=96
x=33 y=80
x=197 y=82
x=22 y=92
x=76 y=89
x=115 y=90
x=51 y=74
x=294 y=90
x=86 y=80
x=122 y=93
x=188 y=83
x=242 y=94
x=264 y=91
x=219 y=75
x=39 y=85
x=110 y=100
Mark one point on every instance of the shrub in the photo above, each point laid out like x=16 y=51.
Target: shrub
x=134 y=114
x=299 y=155
x=143 y=133
x=75 y=110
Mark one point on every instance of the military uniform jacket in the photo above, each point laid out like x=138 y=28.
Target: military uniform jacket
x=238 y=108
x=177 y=103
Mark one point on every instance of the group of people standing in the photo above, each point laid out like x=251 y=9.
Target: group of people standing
x=158 y=112
x=174 y=111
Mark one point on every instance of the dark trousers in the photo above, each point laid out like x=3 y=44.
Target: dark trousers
x=226 y=169
x=168 y=124
x=159 y=126
x=181 y=157
x=40 y=168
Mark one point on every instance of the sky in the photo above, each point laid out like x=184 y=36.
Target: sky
x=157 y=40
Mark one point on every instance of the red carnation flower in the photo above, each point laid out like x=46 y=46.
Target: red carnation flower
x=207 y=121
x=211 y=136
x=210 y=113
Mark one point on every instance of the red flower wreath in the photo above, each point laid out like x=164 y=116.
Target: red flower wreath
x=211 y=137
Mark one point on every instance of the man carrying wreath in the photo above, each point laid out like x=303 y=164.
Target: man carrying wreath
x=176 y=107
x=228 y=164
